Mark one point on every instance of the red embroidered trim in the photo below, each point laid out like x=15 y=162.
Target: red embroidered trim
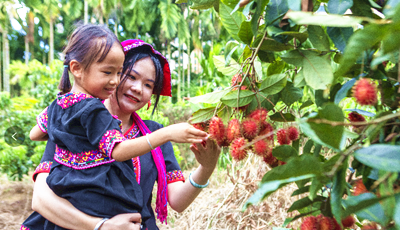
x=43 y=167
x=69 y=99
x=175 y=176
x=136 y=168
x=24 y=228
x=82 y=160
x=108 y=141
x=41 y=120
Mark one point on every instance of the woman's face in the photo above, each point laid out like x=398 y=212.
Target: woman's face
x=136 y=91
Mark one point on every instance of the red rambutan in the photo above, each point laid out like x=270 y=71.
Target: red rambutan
x=261 y=148
x=293 y=133
x=370 y=226
x=217 y=130
x=354 y=117
x=266 y=128
x=348 y=221
x=259 y=115
x=201 y=126
x=309 y=223
x=283 y=138
x=237 y=80
x=233 y=130
x=359 y=188
x=249 y=129
x=270 y=160
x=237 y=153
x=365 y=92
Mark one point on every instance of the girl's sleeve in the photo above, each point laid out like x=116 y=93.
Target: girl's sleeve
x=102 y=129
x=46 y=161
x=41 y=120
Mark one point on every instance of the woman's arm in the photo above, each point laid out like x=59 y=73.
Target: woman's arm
x=182 y=194
x=37 y=134
x=179 y=133
x=62 y=213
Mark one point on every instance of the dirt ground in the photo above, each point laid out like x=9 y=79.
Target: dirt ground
x=219 y=206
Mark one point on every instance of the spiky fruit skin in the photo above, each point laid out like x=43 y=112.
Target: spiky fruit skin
x=293 y=133
x=237 y=80
x=270 y=160
x=217 y=130
x=283 y=138
x=233 y=130
x=261 y=148
x=355 y=117
x=259 y=115
x=325 y=223
x=235 y=150
x=309 y=223
x=359 y=188
x=365 y=92
x=370 y=226
x=266 y=128
x=200 y=126
x=348 y=221
x=249 y=129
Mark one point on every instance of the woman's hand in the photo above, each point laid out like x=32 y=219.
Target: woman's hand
x=185 y=133
x=128 y=221
x=206 y=153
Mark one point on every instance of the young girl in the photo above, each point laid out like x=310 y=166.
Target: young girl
x=92 y=167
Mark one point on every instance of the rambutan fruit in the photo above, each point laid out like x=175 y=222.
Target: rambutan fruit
x=235 y=149
x=348 y=221
x=270 y=160
x=325 y=223
x=237 y=80
x=293 y=133
x=261 y=148
x=201 y=126
x=233 y=130
x=283 y=138
x=355 y=117
x=217 y=130
x=365 y=92
x=309 y=223
x=359 y=188
x=259 y=115
x=266 y=128
x=249 y=129
x=370 y=226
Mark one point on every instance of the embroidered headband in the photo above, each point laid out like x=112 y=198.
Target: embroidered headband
x=134 y=43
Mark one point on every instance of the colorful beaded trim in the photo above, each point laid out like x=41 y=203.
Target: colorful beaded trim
x=24 y=228
x=108 y=141
x=69 y=99
x=175 y=176
x=41 y=120
x=136 y=168
x=43 y=167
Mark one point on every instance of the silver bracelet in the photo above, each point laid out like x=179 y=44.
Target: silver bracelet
x=197 y=185
x=147 y=138
x=101 y=222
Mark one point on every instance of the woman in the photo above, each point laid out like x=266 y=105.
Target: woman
x=133 y=93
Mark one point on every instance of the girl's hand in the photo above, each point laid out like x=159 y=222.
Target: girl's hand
x=129 y=221
x=206 y=153
x=186 y=133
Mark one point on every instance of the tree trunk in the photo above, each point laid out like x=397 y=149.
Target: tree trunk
x=51 y=42
x=31 y=34
x=86 y=12
x=6 y=61
x=188 y=68
x=26 y=50
x=179 y=73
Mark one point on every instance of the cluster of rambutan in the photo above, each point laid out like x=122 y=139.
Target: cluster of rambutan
x=322 y=222
x=365 y=92
x=286 y=136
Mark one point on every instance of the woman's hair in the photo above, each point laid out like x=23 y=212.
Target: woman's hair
x=135 y=55
x=87 y=44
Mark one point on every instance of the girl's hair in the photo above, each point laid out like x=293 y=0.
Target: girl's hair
x=87 y=44
x=135 y=55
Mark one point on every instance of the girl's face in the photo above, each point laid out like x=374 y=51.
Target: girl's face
x=138 y=87
x=102 y=78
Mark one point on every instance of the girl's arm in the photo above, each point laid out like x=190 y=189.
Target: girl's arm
x=37 y=134
x=182 y=194
x=179 y=133
x=62 y=213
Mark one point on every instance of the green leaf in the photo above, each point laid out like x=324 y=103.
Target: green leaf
x=360 y=41
x=396 y=216
x=323 y=20
x=266 y=56
x=231 y=22
x=284 y=152
x=299 y=79
x=366 y=206
x=202 y=4
x=288 y=117
x=340 y=36
x=342 y=93
x=267 y=188
x=302 y=37
x=260 y=6
x=301 y=190
x=273 y=84
x=202 y=115
x=245 y=33
x=381 y=156
x=275 y=9
x=390 y=8
x=232 y=100
x=272 y=45
x=210 y=98
x=304 y=202
x=275 y=68
x=318 y=38
x=317 y=70
x=391 y=41
x=324 y=134
x=338 y=187
x=230 y=70
x=291 y=94
x=339 y=6
x=225 y=114
x=293 y=57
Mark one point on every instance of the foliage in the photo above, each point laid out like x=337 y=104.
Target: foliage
x=301 y=66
